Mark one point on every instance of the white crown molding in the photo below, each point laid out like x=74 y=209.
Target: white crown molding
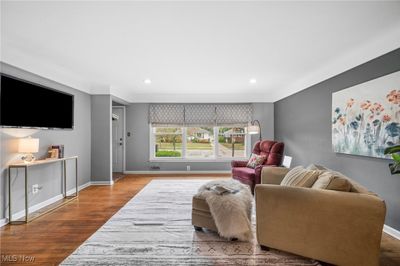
x=378 y=46
x=197 y=98
x=51 y=71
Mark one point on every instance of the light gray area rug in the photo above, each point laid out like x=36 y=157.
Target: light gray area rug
x=154 y=228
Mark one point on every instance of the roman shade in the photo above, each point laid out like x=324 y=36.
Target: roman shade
x=162 y=115
x=200 y=115
x=233 y=114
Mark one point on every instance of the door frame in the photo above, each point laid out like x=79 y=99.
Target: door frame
x=123 y=138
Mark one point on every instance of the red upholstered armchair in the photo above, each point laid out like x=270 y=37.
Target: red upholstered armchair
x=271 y=149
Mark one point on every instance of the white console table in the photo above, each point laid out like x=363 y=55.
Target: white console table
x=27 y=166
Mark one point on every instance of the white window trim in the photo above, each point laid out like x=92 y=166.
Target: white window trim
x=247 y=142
x=183 y=143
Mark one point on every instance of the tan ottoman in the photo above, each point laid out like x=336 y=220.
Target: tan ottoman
x=201 y=215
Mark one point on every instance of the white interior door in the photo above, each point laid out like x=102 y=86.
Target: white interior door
x=118 y=139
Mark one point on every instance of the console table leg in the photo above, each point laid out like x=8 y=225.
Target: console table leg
x=9 y=195
x=65 y=178
x=76 y=176
x=26 y=195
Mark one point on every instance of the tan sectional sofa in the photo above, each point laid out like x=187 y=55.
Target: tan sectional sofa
x=342 y=228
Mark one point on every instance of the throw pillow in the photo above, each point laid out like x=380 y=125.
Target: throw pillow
x=316 y=167
x=332 y=181
x=300 y=177
x=255 y=160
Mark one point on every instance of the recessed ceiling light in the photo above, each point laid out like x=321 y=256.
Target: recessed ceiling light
x=253 y=81
x=147 y=81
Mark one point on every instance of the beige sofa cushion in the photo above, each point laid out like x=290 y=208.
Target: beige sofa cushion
x=332 y=181
x=300 y=177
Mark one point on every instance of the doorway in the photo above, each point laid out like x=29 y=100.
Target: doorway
x=118 y=142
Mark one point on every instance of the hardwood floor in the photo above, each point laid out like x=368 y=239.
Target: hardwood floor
x=51 y=238
x=117 y=175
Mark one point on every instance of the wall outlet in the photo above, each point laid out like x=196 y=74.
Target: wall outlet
x=187 y=167
x=35 y=188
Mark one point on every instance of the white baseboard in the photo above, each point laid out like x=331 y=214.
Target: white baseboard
x=72 y=191
x=20 y=214
x=102 y=183
x=177 y=172
x=3 y=222
x=391 y=231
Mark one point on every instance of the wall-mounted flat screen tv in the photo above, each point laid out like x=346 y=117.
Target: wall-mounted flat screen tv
x=28 y=105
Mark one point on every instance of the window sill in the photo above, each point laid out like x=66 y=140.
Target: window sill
x=178 y=160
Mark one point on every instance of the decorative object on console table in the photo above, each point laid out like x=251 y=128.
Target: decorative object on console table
x=53 y=153
x=28 y=146
x=366 y=117
x=60 y=149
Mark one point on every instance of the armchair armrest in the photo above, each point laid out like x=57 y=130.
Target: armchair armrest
x=342 y=228
x=273 y=175
x=238 y=163
x=258 y=172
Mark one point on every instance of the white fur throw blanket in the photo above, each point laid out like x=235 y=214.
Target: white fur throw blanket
x=231 y=212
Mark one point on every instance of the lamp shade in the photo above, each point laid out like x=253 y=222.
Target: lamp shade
x=253 y=129
x=28 y=145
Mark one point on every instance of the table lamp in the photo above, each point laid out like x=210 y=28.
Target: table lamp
x=254 y=128
x=28 y=146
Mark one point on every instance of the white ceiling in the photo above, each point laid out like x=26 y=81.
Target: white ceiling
x=195 y=51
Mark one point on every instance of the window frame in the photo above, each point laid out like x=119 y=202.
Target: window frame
x=183 y=158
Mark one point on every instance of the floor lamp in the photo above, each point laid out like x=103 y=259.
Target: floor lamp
x=254 y=128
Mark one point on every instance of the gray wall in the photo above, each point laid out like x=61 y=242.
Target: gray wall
x=76 y=142
x=101 y=138
x=137 y=146
x=303 y=122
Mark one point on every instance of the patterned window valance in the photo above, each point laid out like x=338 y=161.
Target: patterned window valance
x=200 y=114
x=233 y=114
x=163 y=115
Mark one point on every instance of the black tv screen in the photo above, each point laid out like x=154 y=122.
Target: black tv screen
x=25 y=104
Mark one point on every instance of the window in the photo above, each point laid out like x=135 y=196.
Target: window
x=198 y=143
x=168 y=142
x=231 y=142
x=199 y=131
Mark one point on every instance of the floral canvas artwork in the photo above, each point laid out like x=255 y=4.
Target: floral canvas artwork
x=366 y=117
